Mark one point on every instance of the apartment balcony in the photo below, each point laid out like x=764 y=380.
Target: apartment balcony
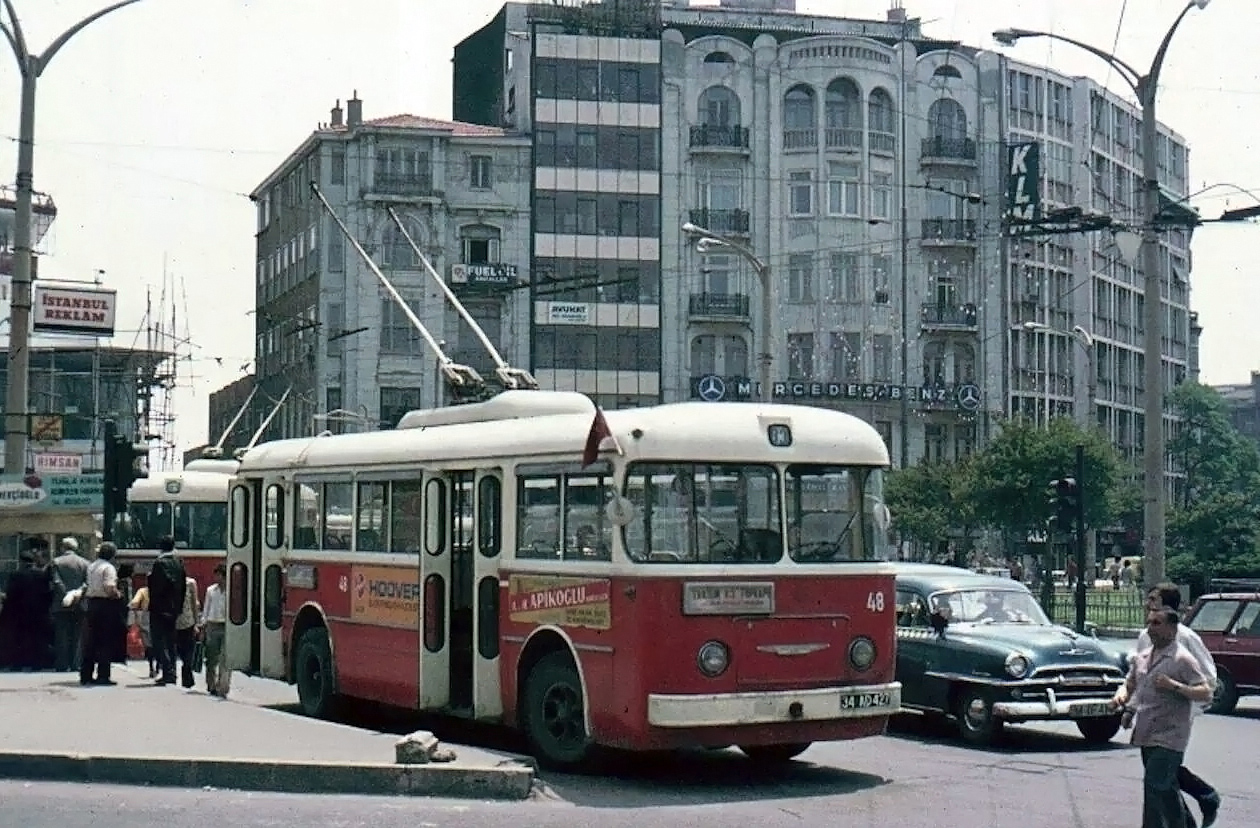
x=727 y=222
x=718 y=307
x=716 y=138
x=948 y=317
x=941 y=150
x=800 y=139
x=843 y=138
x=883 y=143
x=402 y=186
x=941 y=232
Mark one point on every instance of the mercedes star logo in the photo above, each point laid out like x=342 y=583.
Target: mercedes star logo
x=969 y=397
x=711 y=388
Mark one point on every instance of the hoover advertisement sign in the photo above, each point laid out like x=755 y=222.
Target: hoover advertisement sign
x=74 y=311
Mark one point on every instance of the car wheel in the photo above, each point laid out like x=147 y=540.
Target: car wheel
x=1225 y=696
x=555 y=717
x=313 y=674
x=976 y=722
x=1099 y=731
x=774 y=754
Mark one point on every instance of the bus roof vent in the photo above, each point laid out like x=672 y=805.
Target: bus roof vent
x=509 y=405
x=208 y=465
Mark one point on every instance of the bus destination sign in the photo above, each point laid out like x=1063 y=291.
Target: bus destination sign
x=728 y=598
x=567 y=602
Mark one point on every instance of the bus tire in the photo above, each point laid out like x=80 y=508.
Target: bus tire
x=555 y=714
x=770 y=755
x=313 y=674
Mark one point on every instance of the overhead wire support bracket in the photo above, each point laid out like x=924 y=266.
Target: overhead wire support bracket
x=463 y=381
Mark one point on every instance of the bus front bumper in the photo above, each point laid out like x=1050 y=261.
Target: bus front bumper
x=725 y=709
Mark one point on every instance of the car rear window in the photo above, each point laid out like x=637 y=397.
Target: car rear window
x=1214 y=616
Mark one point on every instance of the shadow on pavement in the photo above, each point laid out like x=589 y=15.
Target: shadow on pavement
x=1021 y=739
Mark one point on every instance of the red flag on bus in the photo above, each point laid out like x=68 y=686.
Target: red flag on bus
x=599 y=433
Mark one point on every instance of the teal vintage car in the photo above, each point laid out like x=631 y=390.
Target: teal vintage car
x=978 y=648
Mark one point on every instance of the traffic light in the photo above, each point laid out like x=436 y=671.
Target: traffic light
x=1064 y=503
x=125 y=463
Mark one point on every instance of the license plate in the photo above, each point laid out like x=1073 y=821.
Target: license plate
x=863 y=701
x=1090 y=709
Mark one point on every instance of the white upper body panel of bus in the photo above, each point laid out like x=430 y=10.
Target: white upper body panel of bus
x=209 y=464
x=181 y=486
x=547 y=424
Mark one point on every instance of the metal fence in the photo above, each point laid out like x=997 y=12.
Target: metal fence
x=1110 y=609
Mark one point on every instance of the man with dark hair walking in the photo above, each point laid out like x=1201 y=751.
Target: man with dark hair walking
x=1157 y=698
x=167 y=584
x=1168 y=595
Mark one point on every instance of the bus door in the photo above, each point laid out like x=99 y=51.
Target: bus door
x=461 y=530
x=488 y=532
x=244 y=559
x=275 y=522
x=435 y=579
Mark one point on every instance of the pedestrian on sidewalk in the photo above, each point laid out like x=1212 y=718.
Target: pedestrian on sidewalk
x=69 y=573
x=167 y=584
x=1157 y=697
x=1168 y=595
x=27 y=623
x=214 y=628
x=105 y=606
x=186 y=632
x=139 y=606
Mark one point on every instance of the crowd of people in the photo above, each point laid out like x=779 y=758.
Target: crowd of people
x=71 y=614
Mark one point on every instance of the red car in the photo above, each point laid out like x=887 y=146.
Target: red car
x=1229 y=623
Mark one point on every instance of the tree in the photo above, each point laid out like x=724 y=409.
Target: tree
x=919 y=498
x=1214 y=522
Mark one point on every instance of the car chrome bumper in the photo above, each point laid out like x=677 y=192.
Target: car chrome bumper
x=1052 y=707
x=725 y=709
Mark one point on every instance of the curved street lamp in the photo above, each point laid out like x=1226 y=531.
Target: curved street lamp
x=1086 y=340
x=1145 y=87
x=707 y=240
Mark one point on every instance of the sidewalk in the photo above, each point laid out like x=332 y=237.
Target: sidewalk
x=51 y=728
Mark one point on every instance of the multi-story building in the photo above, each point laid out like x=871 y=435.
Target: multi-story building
x=327 y=331
x=585 y=81
x=1243 y=403
x=225 y=406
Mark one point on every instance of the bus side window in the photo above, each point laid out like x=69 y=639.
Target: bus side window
x=406 y=526
x=538 y=517
x=275 y=516
x=240 y=515
x=588 y=534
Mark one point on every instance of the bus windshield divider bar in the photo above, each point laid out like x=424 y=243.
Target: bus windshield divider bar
x=511 y=378
x=464 y=381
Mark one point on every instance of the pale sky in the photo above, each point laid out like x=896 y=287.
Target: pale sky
x=154 y=122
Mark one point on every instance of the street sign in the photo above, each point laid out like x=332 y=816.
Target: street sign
x=47 y=428
x=58 y=462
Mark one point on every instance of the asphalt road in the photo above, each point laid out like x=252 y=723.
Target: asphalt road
x=1041 y=777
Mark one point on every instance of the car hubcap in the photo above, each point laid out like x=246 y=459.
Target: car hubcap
x=562 y=714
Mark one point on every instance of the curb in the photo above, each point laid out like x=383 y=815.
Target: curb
x=508 y=781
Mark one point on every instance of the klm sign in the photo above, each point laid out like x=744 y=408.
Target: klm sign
x=1023 y=187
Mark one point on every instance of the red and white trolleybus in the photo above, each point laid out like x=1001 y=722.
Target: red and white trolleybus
x=708 y=574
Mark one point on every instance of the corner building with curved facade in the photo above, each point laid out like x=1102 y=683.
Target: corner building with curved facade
x=864 y=163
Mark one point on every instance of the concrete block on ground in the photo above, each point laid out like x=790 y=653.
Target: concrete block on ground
x=415 y=748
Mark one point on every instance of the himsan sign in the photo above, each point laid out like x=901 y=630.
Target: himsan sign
x=74 y=311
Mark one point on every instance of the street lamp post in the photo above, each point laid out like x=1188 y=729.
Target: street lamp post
x=1145 y=87
x=1086 y=340
x=30 y=66
x=706 y=238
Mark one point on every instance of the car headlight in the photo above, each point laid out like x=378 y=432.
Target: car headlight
x=861 y=653
x=1017 y=665
x=713 y=659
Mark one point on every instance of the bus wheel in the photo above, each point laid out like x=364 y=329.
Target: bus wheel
x=555 y=719
x=313 y=672
x=774 y=754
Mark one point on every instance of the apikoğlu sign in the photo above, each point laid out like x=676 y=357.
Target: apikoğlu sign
x=52 y=493
x=74 y=310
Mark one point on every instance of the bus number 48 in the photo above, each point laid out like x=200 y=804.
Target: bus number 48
x=875 y=602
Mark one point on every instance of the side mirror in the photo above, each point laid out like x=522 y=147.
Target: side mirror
x=619 y=510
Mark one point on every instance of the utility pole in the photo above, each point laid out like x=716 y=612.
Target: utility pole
x=30 y=66
x=1079 y=551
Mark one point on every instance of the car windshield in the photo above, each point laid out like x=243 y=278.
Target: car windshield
x=990 y=606
x=835 y=514
x=701 y=513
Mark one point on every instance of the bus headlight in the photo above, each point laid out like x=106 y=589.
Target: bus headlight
x=861 y=653
x=713 y=659
x=1017 y=665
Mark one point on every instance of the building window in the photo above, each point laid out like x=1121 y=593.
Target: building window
x=845 y=280
x=402 y=170
x=843 y=181
x=396 y=251
x=337 y=165
x=964 y=440
x=332 y=402
x=881 y=195
x=704 y=355
x=395 y=402
x=478 y=244
x=800 y=118
x=718 y=274
x=935 y=442
x=881 y=267
x=846 y=356
x=336 y=252
x=801 y=356
x=947 y=120
x=398 y=335
x=885 y=429
x=801 y=277
x=479 y=167
x=844 y=114
x=334 y=325
x=719 y=107
x=801 y=193
x=934 y=364
x=879 y=120
x=725 y=355
x=720 y=189
x=881 y=358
